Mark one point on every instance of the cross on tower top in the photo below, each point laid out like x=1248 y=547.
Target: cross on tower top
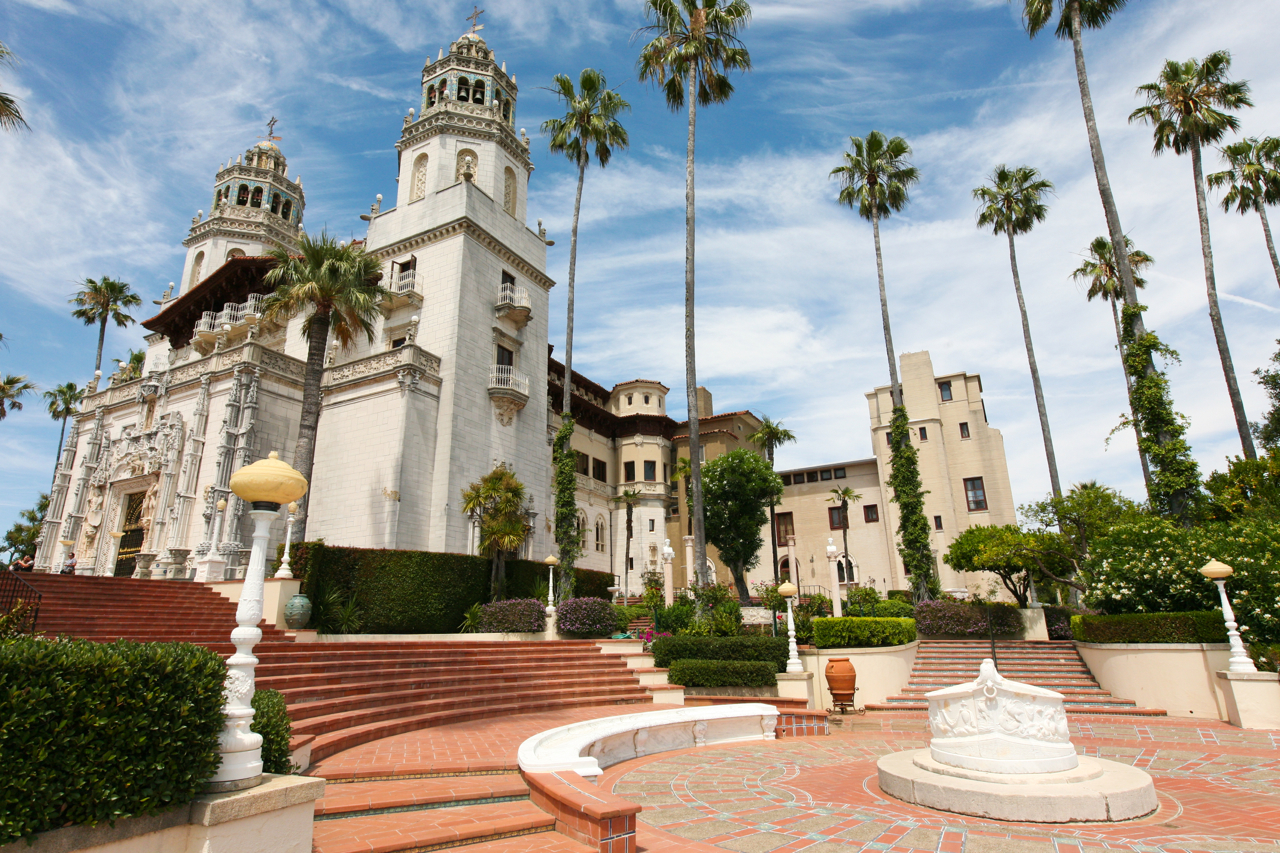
x=474 y=18
x=271 y=129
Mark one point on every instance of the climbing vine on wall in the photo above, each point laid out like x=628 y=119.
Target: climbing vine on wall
x=913 y=528
x=568 y=534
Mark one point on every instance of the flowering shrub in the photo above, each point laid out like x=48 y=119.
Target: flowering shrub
x=1153 y=566
x=649 y=636
x=934 y=618
x=586 y=617
x=515 y=615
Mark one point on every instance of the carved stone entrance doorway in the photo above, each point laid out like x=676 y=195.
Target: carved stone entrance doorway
x=134 y=533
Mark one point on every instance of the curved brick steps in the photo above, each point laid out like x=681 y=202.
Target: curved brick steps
x=1055 y=665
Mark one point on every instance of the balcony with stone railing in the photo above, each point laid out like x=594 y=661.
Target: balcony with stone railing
x=403 y=290
x=513 y=304
x=509 y=391
x=644 y=489
x=233 y=320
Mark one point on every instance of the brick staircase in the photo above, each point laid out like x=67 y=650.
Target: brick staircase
x=1055 y=665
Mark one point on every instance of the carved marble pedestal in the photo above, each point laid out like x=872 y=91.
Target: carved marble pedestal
x=142 y=564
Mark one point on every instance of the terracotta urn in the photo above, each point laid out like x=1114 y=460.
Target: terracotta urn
x=842 y=678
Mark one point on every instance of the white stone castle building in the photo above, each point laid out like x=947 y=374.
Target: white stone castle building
x=457 y=380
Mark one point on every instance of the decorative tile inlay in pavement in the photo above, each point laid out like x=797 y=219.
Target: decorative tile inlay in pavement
x=1217 y=789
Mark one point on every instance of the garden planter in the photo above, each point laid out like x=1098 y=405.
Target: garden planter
x=842 y=680
x=297 y=612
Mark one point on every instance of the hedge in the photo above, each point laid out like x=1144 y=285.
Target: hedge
x=92 y=732
x=939 y=618
x=899 y=595
x=586 y=617
x=413 y=592
x=1205 y=626
x=894 y=609
x=772 y=649
x=722 y=673
x=853 y=632
x=513 y=616
x=271 y=720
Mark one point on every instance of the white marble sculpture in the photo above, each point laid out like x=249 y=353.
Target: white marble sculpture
x=1000 y=726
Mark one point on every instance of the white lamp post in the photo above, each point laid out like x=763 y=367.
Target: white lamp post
x=1218 y=573
x=836 y=596
x=285 y=571
x=552 y=561
x=789 y=591
x=668 y=570
x=265 y=484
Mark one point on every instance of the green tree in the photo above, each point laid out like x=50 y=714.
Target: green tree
x=21 y=538
x=1002 y=551
x=102 y=300
x=10 y=114
x=1189 y=107
x=843 y=497
x=1100 y=271
x=12 y=390
x=133 y=364
x=1253 y=178
x=1267 y=431
x=1011 y=203
x=496 y=502
x=740 y=485
x=695 y=46
x=1084 y=513
x=769 y=437
x=630 y=499
x=1249 y=488
x=336 y=287
x=62 y=402
x=590 y=125
x=568 y=533
x=913 y=529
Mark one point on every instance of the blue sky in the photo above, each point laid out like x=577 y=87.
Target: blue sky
x=133 y=106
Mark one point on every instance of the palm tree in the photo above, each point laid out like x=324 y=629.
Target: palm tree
x=630 y=499
x=132 y=365
x=1012 y=204
x=1187 y=108
x=497 y=502
x=336 y=286
x=769 y=437
x=874 y=180
x=62 y=403
x=12 y=390
x=10 y=115
x=1254 y=179
x=1099 y=269
x=591 y=123
x=100 y=301
x=695 y=45
x=844 y=496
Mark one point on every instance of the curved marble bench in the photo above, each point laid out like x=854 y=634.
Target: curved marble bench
x=586 y=748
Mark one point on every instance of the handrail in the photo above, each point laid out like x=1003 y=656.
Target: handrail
x=12 y=591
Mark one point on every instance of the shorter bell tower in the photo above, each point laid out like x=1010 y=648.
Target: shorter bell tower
x=255 y=208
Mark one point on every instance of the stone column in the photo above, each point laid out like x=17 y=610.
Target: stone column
x=689 y=573
x=791 y=560
x=668 y=571
x=836 y=595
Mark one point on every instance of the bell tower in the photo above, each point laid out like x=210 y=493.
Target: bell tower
x=255 y=208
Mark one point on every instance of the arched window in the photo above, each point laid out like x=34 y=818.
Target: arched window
x=464 y=90
x=509 y=190
x=242 y=195
x=196 y=266
x=600 y=535
x=463 y=155
x=256 y=199
x=506 y=109
x=477 y=92
x=431 y=96
x=287 y=210
x=275 y=202
x=582 y=525
x=419 y=186
x=784 y=568
x=235 y=253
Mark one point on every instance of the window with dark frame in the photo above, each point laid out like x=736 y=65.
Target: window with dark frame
x=629 y=472
x=839 y=473
x=871 y=513
x=505 y=357
x=924 y=433
x=976 y=494
x=835 y=518
x=944 y=388
x=583 y=463
x=937 y=522
x=786 y=479
x=811 y=476
x=964 y=429
x=826 y=474
x=599 y=470
x=650 y=471
x=888 y=439
x=786 y=527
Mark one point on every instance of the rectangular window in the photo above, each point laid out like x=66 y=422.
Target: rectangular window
x=871 y=513
x=826 y=475
x=506 y=357
x=396 y=343
x=811 y=476
x=944 y=388
x=786 y=527
x=888 y=439
x=651 y=525
x=937 y=522
x=508 y=279
x=839 y=472
x=666 y=473
x=583 y=463
x=629 y=472
x=964 y=429
x=650 y=471
x=976 y=494
x=924 y=434
x=786 y=479
x=599 y=470
x=835 y=518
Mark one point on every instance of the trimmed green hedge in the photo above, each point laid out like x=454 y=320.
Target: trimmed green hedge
x=413 y=592
x=271 y=720
x=854 y=632
x=722 y=673
x=92 y=732
x=1205 y=626
x=895 y=608
x=772 y=649
x=899 y=595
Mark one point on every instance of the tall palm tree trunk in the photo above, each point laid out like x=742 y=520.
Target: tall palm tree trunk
x=1271 y=246
x=690 y=368
x=1128 y=385
x=626 y=561
x=102 y=336
x=773 y=530
x=844 y=532
x=304 y=452
x=566 y=410
x=895 y=390
x=1035 y=374
x=1215 y=314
